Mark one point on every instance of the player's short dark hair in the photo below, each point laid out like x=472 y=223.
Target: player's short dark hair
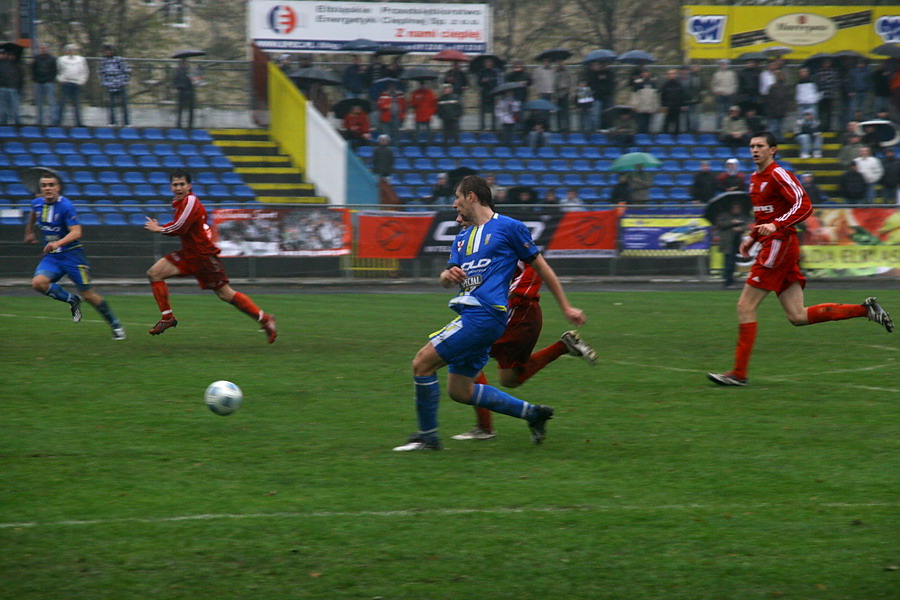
x=179 y=173
x=771 y=140
x=478 y=186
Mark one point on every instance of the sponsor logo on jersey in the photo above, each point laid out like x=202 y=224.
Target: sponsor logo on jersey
x=469 y=265
x=766 y=208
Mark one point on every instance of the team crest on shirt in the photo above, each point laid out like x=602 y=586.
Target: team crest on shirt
x=762 y=186
x=459 y=245
x=487 y=239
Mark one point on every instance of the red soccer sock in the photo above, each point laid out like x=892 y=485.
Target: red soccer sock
x=539 y=360
x=834 y=312
x=746 y=338
x=161 y=295
x=483 y=415
x=244 y=304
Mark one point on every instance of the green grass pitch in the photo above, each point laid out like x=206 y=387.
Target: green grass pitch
x=116 y=481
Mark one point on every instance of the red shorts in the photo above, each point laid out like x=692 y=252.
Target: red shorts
x=207 y=269
x=514 y=347
x=777 y=265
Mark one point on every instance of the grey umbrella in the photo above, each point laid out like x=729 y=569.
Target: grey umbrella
x=508 y=87
x=892 y=50
x=188 y=53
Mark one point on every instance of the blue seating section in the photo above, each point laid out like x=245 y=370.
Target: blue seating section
x=116 y=175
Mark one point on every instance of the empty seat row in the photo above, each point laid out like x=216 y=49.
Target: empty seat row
x=86 y=193
x=14 y=147
x=105 y=133
x=158 y=177
x=101 y=161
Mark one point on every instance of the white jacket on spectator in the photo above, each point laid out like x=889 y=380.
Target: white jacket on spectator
x=870 y=168
x=724 y=83
x=72 y=69
x=807 y=93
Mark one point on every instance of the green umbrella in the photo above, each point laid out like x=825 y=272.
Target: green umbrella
x=627 y=162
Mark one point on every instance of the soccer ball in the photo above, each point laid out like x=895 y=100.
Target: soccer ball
x=223 y=397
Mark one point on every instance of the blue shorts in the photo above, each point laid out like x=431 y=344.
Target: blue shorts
x=465 y=342
x=72 y=263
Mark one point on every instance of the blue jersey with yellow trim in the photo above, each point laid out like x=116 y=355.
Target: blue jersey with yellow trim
x=489 y=254
x=54 y=220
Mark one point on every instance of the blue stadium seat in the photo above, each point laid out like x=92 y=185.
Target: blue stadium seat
x=642 y=139
x=186 y=149
x=436 y=151
x=524 y=152
x=4 y=160
x=595 y=179
x=244 y=192
x=14 y=147
x=115 y=219
x=547 y=152
x=679 y=193
x=108 y=177
x=118 y=191
x=665 y=139
x=690 y=165
x=139 y=149
x=588 y=194
x=232 y=178
x=723 y=152
x=569 y=152
x=115 y=149
x=513 y=164
x=104 y=133
x=99 y=161
x=148 y=161
x=679 y=153
x=502 y=152
x=657 y=193
x=400 y=164
x=73 y=190
x=453 y=152
x=410 y=152
x=365 y=151
x=137 y=218
x=445 y=164
x=80 y=133
x=612 y=152
x=55 y=133
x=572 y=180
x=422 y=164
x=404 y=192
x=196 y=163
x=528 y=179
x=684 y=179
x=39 y=148
x=581 y=165
x=207 y=178
x=559 y=165
x=133 y=177
x=550 y=179
x=67 y=148
x=591 y=152
x=8 y=176
x=31 y=132
x=84 y=177
x=577 y=138
x=163 y=150
x=124 y=162
x=152 y=133
x=177 y=135
x=701 y=153
x=505 y=179
x=478 y=152
x=17 y=190
x=49 y=160
x=488 y=137
x=218 y=191
x=7 y=131
x=89 y=218
x=662 y=179
x=173 y=162
x=158 y=178
x=129 y=133
x=145 y=191
x=23 y=160
x=214 y=152
x=603 y=164
x=686 y=139
x=707 y=139
x=413 y=178
x=201 y=135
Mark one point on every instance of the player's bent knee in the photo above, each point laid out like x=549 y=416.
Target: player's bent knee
x=40 y=284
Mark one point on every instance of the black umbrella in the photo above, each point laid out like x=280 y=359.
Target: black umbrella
x=723 y=203
x=419 y=74
x=753 y=56
x=344 y=106
x=188 y=53
x=31 y=178
x=379 y=85
x=513 y=194
x=600 y=56
x=777 y=50
x=554 y=54
x=477 y=63
x=315 y=75
x=814 y=60
x=887 y=132
x=12 y=48
x=390 y=50
x=361 y=45
x=456 y=175
x=892 y=50
x=615 y=111
x=636 y=57
x=508 y=87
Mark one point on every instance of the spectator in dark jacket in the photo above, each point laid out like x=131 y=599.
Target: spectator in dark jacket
x=815 y=193
x=852 y=186
x=354 y=80
x=828 y=81
x=383 y=157
x=856 y=90
x=672 y=99
x=891 y=178
x=520 y=75
x=881 y=87
x=704 y=186
x=43 y=73
x=10 y=88
x=602 y=82
x=488 y=79
x=183 y=82
x=450 y=111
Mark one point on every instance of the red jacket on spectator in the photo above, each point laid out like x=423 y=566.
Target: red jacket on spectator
x=386 y=99
x=424 y=102
x=357 y=123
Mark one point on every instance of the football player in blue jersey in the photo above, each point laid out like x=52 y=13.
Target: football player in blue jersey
x=55 y=216
x=482 y=262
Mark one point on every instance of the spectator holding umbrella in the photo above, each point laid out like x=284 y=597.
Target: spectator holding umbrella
x=704 y=186
x=806 y=93
x=507 y=112
x=602 y=82
x=544 y=79
x=584 y=102
x=457 y=78
x=779 y=105
x=828 y=82
x=518 y=74
x=672 y=99
x=354 y=79
x=856 y=89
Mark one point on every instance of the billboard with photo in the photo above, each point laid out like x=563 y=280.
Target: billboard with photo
x=297 y=231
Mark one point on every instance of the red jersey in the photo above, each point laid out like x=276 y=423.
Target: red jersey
x=190 y=224
x=525 y=285
x=778 y=198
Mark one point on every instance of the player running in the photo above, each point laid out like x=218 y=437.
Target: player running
x=198 y=257
x=55 y=216
x=513 y=351
x=779 y=204
x=482 y=262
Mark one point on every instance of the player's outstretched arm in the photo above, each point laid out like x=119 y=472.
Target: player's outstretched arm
x=573 y=315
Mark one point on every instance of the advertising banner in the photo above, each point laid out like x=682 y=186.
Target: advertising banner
x=443 y=229
x=839 y=242
x=327 y=26
x=386 y=234
x=585 y=234
x=717 y=31
x=664 y=236
x=302 y=231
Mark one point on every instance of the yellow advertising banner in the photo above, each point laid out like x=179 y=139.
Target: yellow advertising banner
x=850 y=257
x=712 y=32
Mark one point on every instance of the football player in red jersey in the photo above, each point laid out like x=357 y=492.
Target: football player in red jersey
x=513 y=350
x=198 y=256
x=779 y=204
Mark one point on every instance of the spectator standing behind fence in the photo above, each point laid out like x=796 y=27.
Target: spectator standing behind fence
x=808 y=133
x=456 y=77
x=392 y=107
x=506 y=111
x=731 y=225
x=571 y=202
x=734 y=131
x=644 y=99
x=489 y=77
x=11 y=79
x=183 y=82
x=43 y=73
x=354 y=79
x=779 y=104
x=584 y=102
x=828 y=81
x=857 y=81
x=850 y=150
x=383 y=158
x=724 y=85
x=622 y=131
x=806 y=93
x=562 y=91
x=357 y=129
x=424 y=103
x=816 y=196
x=115 y=75
x=692 y=82
x=891 y=177
x=704 y=187
x=450 y=111
x=395 y=68
x=518 y=74
x=374 y=71
x=602 y=81
x=852 y=185
x=544 y=80
x=871 y=169
x=72 y=73
x=748 y=85
x=672 y=99
x=881 y=87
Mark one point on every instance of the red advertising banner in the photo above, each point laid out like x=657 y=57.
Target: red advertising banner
x=298 y=231
x=585 y=234
x=392 y=235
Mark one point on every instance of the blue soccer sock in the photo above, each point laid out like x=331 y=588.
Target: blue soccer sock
x=499 y=401
x=428 y=397
x=56 y=292
x=107 y=313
